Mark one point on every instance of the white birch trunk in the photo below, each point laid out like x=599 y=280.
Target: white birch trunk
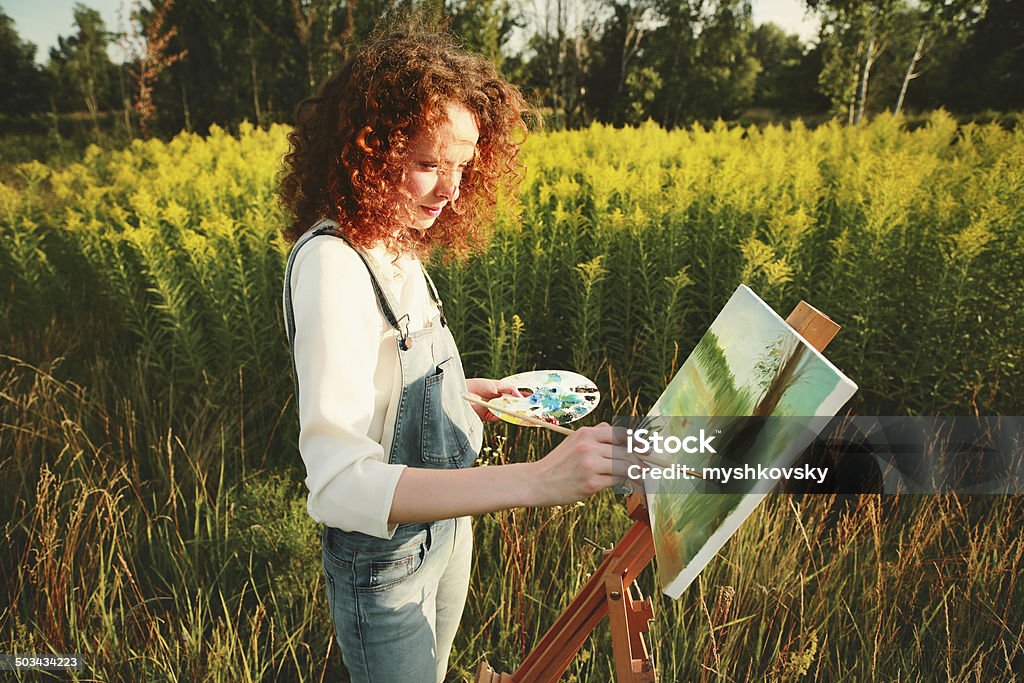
x=865 y=74
x=910 y=71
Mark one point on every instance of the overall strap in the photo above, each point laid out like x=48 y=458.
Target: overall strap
x=434 y=295
x=384 y=301
x=329 y=227
x=289 y=318
x=289 y=311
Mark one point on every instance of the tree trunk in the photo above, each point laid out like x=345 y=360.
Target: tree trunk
x=255 y=91
x=126 y=102
x=349 y=29
x=910 y=71
x=92 y=106
x=865 y=74
x=56 y=125
x=672 y=117
x=309 y=66
x=304 y=26
x=184 y=106
x=580 y=57
x=253 y=78
x=630 y=48
x=560 y=63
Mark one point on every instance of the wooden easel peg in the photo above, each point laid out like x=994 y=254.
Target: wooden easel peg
x=609 y=590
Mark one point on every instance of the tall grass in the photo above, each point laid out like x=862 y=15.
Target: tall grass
x=152 y=506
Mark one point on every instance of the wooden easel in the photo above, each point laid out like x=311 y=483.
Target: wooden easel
x=610 y=590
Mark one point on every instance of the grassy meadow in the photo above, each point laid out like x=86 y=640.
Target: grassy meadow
x=151 y=498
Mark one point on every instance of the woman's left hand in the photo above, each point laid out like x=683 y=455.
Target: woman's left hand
x=486 y=389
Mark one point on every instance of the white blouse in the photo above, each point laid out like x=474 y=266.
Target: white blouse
x=346 y=362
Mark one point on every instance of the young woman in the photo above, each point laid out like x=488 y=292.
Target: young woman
x=404 y=150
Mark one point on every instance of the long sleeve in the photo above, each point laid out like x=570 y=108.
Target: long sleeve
x=338 y=343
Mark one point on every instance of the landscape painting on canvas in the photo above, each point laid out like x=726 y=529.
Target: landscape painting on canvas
x=763 y=393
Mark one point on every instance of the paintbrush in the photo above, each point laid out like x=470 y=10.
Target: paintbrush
x=536 y=421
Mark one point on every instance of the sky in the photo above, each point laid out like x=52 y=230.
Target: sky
x=41 y=21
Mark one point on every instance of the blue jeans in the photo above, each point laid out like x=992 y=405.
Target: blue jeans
x=396 y=611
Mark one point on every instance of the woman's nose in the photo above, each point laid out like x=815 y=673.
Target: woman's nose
x=448 y=184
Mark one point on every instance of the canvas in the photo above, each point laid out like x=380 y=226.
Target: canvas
x=764 y=394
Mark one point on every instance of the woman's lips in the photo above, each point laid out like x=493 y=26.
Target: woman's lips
x=431 y=211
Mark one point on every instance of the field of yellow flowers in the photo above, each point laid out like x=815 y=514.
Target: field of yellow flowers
x=153 y=515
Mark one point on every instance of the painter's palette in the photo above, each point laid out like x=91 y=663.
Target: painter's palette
x=555 y=396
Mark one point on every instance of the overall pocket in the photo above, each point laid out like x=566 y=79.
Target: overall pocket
x=377 y=571
x=442 y=441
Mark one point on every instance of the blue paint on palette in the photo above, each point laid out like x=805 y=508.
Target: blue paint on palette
x=555 y=396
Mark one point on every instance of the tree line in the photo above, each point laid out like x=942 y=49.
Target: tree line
x=193 y=63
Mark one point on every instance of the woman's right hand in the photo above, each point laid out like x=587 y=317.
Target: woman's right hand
x=588 y=461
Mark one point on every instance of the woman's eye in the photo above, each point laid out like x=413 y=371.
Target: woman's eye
x=434 y=166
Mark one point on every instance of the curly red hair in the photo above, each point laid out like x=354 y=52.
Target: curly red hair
x=349 y=145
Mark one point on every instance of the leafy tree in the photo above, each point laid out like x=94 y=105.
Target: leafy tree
x=989 y=71
x=726 y=72
x=562 y=58
x=674 y=50
x=81 y=62
x=151 y=56
x=245 y=61
x=622 y=85
x=781 y=56
x=933 y=22
x=485 y=26
x=21 y=84
x=322 y=28
x=854 y=33
x=704 y=58
x=805 y=95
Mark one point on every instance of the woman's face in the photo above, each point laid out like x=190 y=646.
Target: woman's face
x=437 y=161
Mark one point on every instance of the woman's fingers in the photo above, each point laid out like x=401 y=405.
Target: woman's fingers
x=611 y=459
x=502 y=388
x=491 y=388
x=586 y=462
x=610 y=443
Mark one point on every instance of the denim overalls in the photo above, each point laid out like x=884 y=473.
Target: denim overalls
x=396 y=604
